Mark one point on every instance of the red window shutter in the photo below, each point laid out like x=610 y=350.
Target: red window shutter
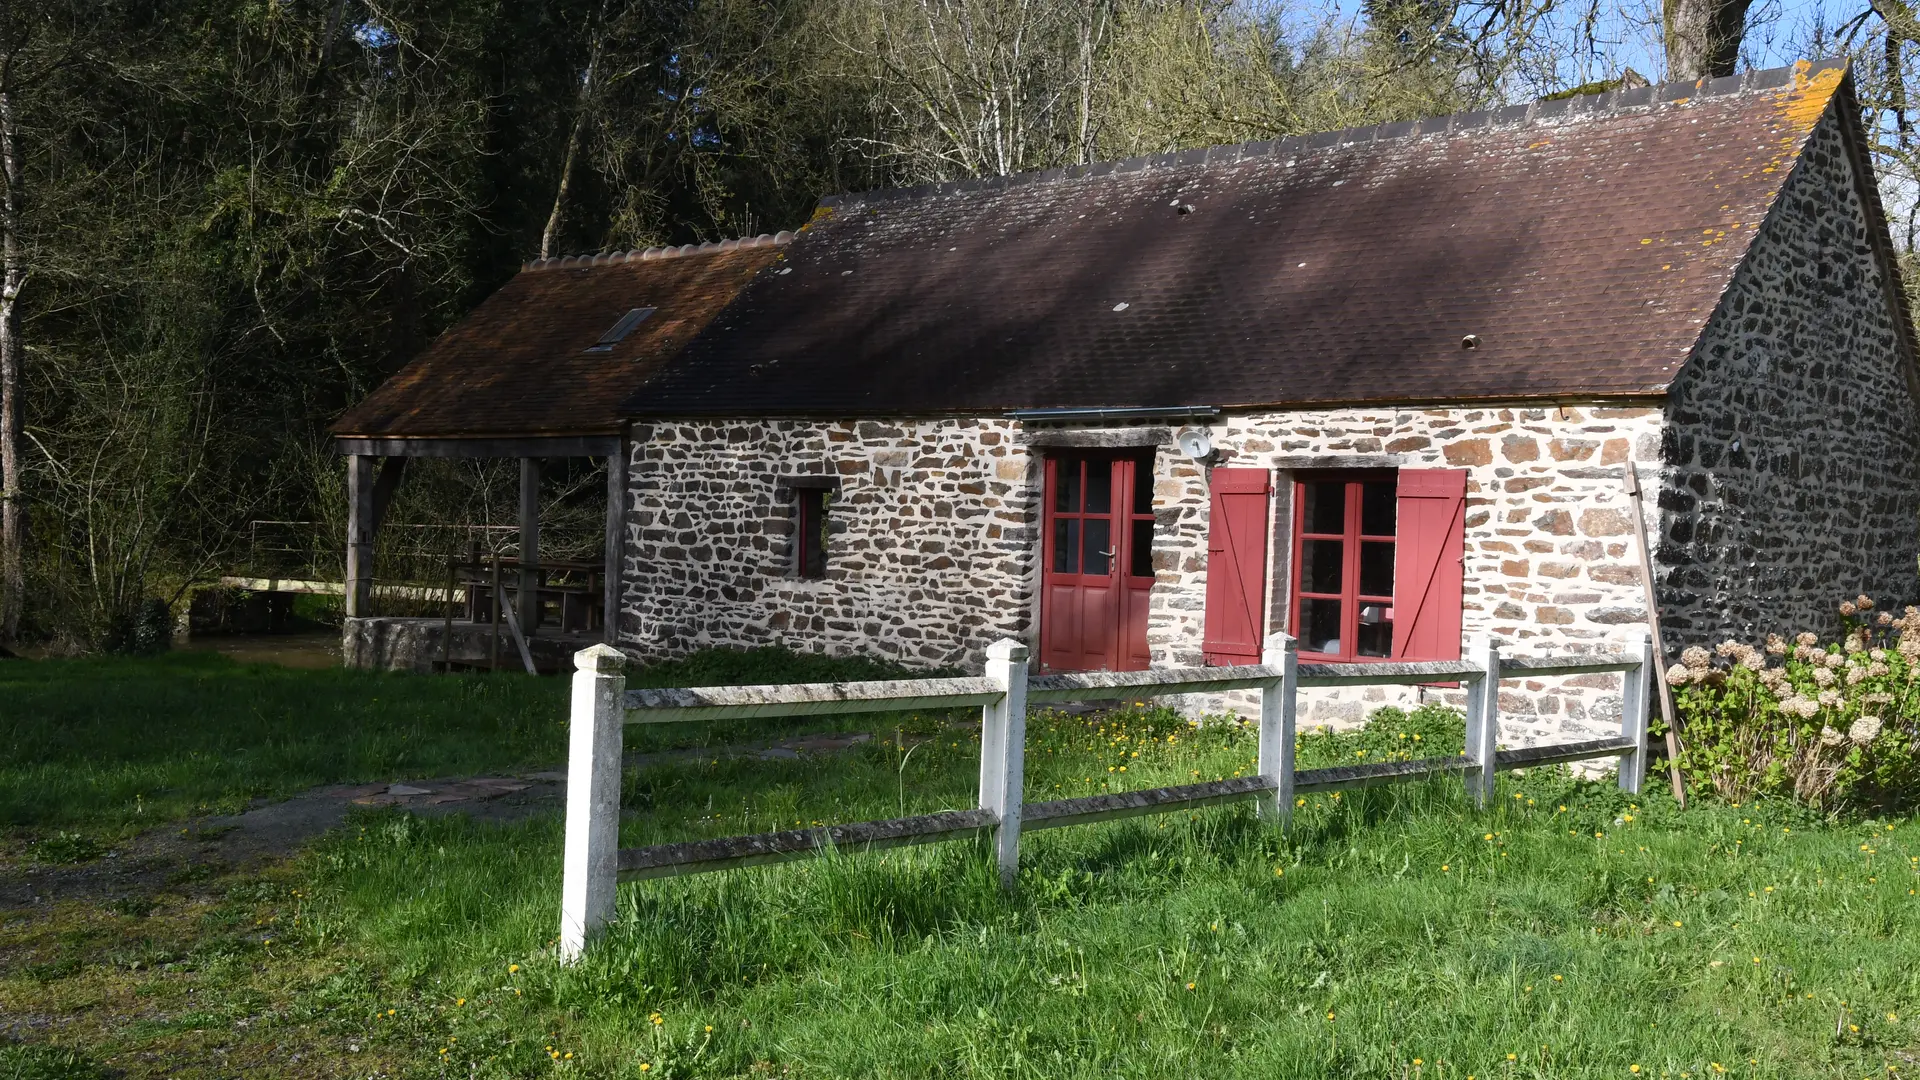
x=1236 y=565
x=1430 y=543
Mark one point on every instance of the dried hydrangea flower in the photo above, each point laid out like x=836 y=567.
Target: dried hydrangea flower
x=1878 y=656
x=1807 y=708
x=1886 y=618
x=1823 y=676
x=1831 y=698
x=1834 y=660
x=1864 y=730
x=1807 y=640
x=1776 y=644
x=1856 y=676
x=1678 y=675
x=1696 y=658
x=1878 y=670
x=1830 y=737
x=1847 y=608
x=1863 y=602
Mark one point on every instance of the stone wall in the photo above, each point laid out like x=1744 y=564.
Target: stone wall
x=930 y=557
x=933 y=550
x=1794 y=443
x=1551 y=566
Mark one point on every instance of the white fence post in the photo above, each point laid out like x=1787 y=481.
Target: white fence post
x=1483 y=723
x=1278 y=702
x=591 y=875
x=1003 y=746
x=1633 y=718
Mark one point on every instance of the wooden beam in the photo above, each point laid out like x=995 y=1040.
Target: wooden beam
x=360 y=531
x=807 y=699
x=545 y=446
x=701 y=856
x=616 y=543
x=1380 y=772
x=392 y=470
x=1529 y=756
x=529 y=604
x=1122 y=804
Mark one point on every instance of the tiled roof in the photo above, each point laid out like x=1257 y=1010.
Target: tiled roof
x=1579 y=244
x=517 y=365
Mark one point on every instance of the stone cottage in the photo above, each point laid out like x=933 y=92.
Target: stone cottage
x=1375 y=387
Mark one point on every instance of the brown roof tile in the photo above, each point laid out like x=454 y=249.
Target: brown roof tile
x=1584 y=243
x=517 y=365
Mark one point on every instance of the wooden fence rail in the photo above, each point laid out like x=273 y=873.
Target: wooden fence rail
x=602 y=705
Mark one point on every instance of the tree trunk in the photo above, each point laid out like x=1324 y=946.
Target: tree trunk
x=13 y=583
x=580 y=117
x=1703 y=37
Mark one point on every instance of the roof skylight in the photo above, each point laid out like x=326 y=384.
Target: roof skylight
x=621 y=329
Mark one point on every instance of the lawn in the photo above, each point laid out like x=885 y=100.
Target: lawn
x=1567 y=931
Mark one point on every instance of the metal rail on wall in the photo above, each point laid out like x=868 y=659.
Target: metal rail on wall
x=602 y=706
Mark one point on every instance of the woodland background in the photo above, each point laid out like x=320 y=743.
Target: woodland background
x=223 y=221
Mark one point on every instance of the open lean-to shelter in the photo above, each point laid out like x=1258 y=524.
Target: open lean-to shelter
x=1376 y=388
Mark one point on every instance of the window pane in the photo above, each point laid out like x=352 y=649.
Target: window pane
x=1066 y=546
x=1376 y=569
x=1377 y=507
x=1143 y=486
x=1066 y=485
x=1320 y=566
x=1099 y=487
x=1142 y=548
x=1376 y=630
x=1099 y=557
x=1326 y=507
x=813 y=534
x=1320 y=625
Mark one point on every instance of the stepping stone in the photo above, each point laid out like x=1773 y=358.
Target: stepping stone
x=406 y=789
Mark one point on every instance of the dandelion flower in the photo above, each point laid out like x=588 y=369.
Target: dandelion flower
x=1633 y=1068
x=1676 y=922
x=512 y=968
x=1189 y=986
x=644 y=1067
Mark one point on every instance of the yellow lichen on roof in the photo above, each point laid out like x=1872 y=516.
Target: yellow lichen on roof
x=1803 y=105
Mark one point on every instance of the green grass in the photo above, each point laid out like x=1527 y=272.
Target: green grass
x=116 y=743
x=1578 y=930
x=1394 y=925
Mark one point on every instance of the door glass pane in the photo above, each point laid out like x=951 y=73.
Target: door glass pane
x=1099 y=487
x=1320 y=566
x=1142 y=555
x=1326 y=507
x=1066 y=485
x=1066 y=546
x=1376 y=630
x=1377 y=507
x=1376 y=568
x=1320 y=625
x=1099 y=558
x=1143 y=486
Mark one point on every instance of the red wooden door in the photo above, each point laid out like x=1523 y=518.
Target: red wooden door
x=1097 y=553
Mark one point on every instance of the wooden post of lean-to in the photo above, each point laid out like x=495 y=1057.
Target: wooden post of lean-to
x=1663 y=691
x=590 y=872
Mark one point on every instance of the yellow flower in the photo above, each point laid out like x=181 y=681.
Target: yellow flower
x=1513 y=1057
x=1417 y=1061
x=1189 y=986
x=1559 y=978
x=1329 y=1014
x=1633 y=1068
x=457 y=1002
x=1277 y=871
x=1444 y=868
x=512 y=968
x=1676 y=922
x=644 y=1067
x=709 y=1027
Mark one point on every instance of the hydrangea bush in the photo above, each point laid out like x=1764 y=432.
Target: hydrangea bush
x=1835 y=725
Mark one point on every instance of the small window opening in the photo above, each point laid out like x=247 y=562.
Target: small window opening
x=621 y=329
x=810 y=547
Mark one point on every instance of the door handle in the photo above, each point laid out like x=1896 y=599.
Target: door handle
x=1108 y=553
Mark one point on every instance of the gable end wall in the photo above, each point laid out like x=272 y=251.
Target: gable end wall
x=1803 y=370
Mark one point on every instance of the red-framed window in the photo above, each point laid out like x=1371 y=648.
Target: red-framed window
x=1344 y=541
x=810 y=531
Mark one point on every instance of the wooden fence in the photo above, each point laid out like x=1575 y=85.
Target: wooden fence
x=602 y=705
